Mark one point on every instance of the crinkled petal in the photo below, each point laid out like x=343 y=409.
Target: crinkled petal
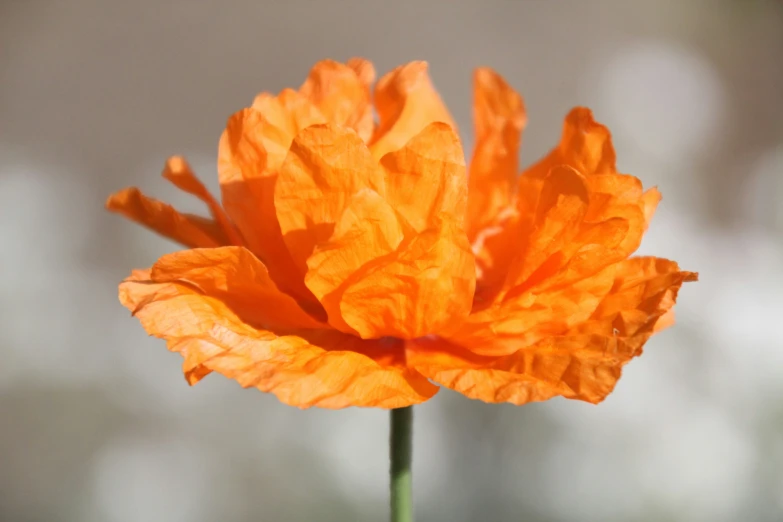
x=192 y=231
x=132 y=300
x=387 y=256
x=237 y=278
x=561 y=207
x=192 y=358
x=325 y=167
x=611 y=230
x=585 y=145
x=516 y=254
x=138 y=290
x=499 y=115
x=249 y=153
x=257 y=141
x=366 y=232
x=580 y=367
x=584 y=361
x=302 y=367
x=529 y=317
x=496 y=246
x=595 y=247
x=178 y=172
x=426 y=177
x=286 y=115
x=644 y=292
x=406 y=102
x=342 y=93
x=423 y=287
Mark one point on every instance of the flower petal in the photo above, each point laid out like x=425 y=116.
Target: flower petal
x=192 y=231
x=325 y=167
x=610 y=229
x=650 y=200
x=248 y=156
x=181 y=175
x=366 y=232
x=578 y=367
x=499 y=114
x=237 y=278
x=400 y=265
x=427 y=177
x=406 y=102
x=302 y=367
x=286 y=115
x=529 y=317
x=561 y=207
x=584 y=362
x=135 y=296
x=364 y=70
x=425 y=286
x=644 y=292
x=585 y=145
x=342 y=93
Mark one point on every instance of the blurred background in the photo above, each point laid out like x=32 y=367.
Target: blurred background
x=97 y=423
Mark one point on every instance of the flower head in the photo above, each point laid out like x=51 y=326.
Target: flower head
x=354 y=263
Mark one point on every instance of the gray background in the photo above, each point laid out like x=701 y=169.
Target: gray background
x=96 y=421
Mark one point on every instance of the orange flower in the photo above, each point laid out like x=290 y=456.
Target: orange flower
x=352 y=263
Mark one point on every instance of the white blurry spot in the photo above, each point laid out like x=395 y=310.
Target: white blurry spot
x=142 y=480
x=45 y=226
x=591 y=463
x=45 y=221
x=584 y=481
x=663 y=96
x=701 y=465
x=695 y=460
x=356 y=446
x=761 y=202
x=156 y=374
x=745 y=322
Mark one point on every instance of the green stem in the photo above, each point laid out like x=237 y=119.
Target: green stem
x=401 y=455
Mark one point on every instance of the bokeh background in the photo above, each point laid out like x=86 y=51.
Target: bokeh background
x=96 y=421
